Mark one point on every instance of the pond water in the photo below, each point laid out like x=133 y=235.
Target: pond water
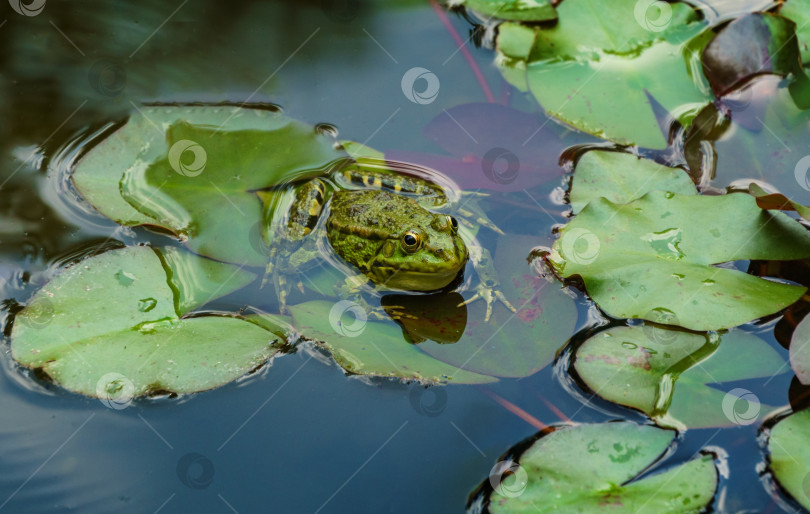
x=299 y=435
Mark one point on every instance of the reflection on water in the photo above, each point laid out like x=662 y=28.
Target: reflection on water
x=74 y=73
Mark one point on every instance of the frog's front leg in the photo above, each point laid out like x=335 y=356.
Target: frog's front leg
x=488 y=287
x=291 y=248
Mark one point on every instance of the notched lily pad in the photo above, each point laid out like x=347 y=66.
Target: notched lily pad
x=667 y=373
x=596 y=468
x=117 y=324
x=192 y=170
x=658 y=254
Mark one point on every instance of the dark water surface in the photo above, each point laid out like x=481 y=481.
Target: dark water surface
x=299 y=436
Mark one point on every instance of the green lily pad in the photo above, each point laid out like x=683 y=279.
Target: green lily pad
x=512 y=344
x=373 y=348
x=192 y=170
x=657 y=254
x=596 y=468
x=606 y=75
x=512 y=10
x=800 y=351
x=799 y=12
x=666 y=373
x=620 y=177
x=117 y=320
x=790 y=455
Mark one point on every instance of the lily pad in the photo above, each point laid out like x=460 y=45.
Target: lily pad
x=118 y=320
x=605 y=75
x=620 y=177
x=790 y=455
x=657 y=254
x=596 y=468
x=512 y=344
x=513 y=10
x=800 y=351
x=799 y=12
x=666 y=373
x=372 y=348
x=192 y=170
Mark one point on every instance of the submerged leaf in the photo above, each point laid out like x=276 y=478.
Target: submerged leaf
x=657 y=254
x=114 y=321
x=596 y=468
x=513 y=344
x=665 y=373
x=752 y=45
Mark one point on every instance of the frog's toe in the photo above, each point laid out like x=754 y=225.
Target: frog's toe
x=490 y=296
x=504 y=301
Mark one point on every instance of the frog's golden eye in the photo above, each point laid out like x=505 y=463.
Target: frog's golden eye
x=453 y=224
x=411 y=241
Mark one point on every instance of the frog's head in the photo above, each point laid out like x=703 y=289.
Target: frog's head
x=427 y=254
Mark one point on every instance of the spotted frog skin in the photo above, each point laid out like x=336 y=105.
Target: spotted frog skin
x=378 y=224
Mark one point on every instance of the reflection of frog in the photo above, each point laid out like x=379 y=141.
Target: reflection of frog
x=390 y=238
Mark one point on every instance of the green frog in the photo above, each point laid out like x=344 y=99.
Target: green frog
x=378 y=222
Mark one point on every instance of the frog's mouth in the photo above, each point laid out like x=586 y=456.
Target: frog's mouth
x=410 y=280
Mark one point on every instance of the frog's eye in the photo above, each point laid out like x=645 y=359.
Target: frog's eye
x=453 y=224
x=411 y=241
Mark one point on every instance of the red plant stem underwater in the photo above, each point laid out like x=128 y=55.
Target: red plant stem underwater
x=462 y=45
x=514 y=409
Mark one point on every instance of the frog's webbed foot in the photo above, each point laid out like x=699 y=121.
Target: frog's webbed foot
x=490 y=294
